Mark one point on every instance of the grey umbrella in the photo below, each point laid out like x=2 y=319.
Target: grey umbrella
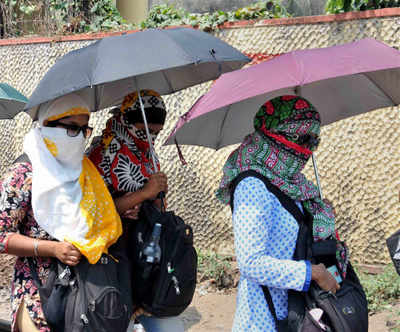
x=163 y=60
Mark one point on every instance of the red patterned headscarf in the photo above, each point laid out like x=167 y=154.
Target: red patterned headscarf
x=122 y=153
x=287 y=129
x=273 y=152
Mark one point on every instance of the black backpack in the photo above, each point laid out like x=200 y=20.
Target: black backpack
x=346 y=311
x=86 y=297
x=167 y=288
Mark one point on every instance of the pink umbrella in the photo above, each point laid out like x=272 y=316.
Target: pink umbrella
x=340 y=81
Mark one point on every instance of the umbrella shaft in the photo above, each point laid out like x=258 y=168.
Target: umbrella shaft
x=153 y=158
x=317 y=176
x=146 y=126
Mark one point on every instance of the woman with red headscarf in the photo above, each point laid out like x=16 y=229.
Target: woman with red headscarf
x=286 y=132
x=123 y=157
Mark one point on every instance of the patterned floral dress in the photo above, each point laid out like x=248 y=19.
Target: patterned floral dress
x=16 y=216
x=265 y=240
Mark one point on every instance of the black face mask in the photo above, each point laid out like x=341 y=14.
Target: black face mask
x=153 y=115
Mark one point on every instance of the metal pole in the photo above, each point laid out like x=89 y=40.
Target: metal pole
x=317 y=176
x=153 y=158
x=152 y=152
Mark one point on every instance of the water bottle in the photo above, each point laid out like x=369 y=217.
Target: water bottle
x=152 y=250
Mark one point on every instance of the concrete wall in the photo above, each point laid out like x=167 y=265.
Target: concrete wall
x=359 y=158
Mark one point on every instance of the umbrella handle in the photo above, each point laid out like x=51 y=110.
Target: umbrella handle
x=152 y=153
x=317 y=176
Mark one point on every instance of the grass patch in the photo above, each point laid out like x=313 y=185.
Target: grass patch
x=382 y=290
x=213 y=266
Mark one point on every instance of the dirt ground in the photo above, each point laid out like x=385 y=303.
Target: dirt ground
x=213 y=312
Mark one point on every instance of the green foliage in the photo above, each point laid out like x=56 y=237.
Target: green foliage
x=382 y=290
x=341 y=6
x=76 y=16
x=59 y=16
x=213 y=266
x=167 y=15
x=92 y=16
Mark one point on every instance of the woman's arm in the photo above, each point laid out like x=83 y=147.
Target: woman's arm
x=25 y=246
x=255 y=211
x=15 y=202
x=157 y=183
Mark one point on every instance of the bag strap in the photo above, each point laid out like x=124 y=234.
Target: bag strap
x=287 y=202
x=271 y=306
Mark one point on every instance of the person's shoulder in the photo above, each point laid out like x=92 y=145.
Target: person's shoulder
x=254 y=185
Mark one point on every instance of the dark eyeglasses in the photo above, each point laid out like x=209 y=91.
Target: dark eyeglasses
x=72 y=130
x=308 y=140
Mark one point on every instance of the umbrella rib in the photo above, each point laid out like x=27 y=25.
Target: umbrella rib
x=380 y=89
x=222 y=126
x=168 y=81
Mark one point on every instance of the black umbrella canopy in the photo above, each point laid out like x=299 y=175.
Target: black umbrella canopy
x=163 y=60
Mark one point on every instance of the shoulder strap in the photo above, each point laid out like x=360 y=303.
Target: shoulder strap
x=271 y=306
x=287 y=202
x=23 y=158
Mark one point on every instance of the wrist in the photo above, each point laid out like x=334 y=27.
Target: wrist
x=47 y=248
x=36 y=247
x=316 y=272
x=144 y=194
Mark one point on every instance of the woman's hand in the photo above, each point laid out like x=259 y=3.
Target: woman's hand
x=133 y=213
x=157 y=182
x=67 y=253
x=139 y=312
x=324 y=279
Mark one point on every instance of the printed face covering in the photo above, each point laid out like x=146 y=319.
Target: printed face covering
x=273 y=151
x=122 y=153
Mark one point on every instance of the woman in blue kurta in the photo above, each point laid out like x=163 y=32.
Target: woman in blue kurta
x=286 y=131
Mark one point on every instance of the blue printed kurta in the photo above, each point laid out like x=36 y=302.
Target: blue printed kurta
x=265 y=240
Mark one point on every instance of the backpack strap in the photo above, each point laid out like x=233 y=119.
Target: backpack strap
x=289 y=204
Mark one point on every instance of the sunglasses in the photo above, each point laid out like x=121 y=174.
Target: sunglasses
x=72 y=130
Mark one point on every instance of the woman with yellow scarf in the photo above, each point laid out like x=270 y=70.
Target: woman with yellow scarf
x=55 y=205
